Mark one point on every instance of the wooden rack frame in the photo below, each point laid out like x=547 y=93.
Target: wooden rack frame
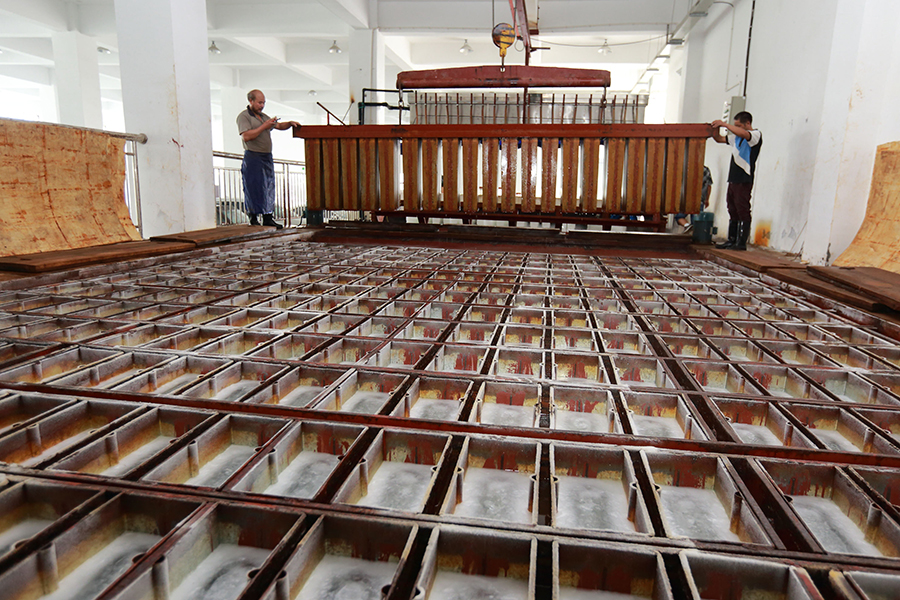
x=532 y=172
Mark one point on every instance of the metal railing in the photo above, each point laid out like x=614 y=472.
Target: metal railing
x=290 y=193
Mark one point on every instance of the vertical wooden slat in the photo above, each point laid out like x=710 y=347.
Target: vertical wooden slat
x=529 y=175
x=331 y=174
x=615 y=164
x=570 y=175
x=590 y=174
x=450 y=201
x=656 y=169
x=694 y=186
x=411 y=174
x=314 y=175
x=368 y=174
x=634 y=180
x=388 y=174
x=549 y=168
x=490 y=150
x=350 y=173
x=470 y=174
x=509 y=168
x=674 y=175
x=431 y=177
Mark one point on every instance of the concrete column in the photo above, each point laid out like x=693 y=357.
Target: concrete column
x=366 y=70
x=234 y=100
x=77 y=76
x=165 y=90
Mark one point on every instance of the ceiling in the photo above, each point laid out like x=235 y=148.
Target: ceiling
x=281 y=46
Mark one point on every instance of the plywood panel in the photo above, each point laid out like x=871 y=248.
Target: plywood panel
x=331 y=174
x=411 y=189
x=634 y=181
x=490 y=163
x=675 y=149
x=656 y=174
x=430 y=175
x=877 y=244
x=569 y=169
x=529 y=175
x=694 y=184
x=368 y=173
x=388 y=174
x=590 y=174
x=60 y=188
x=314 y=188
x=350 y=174
x=470 y=174
x=509 y=167
x=549 y=169
x=450 y=196
x=615 y=166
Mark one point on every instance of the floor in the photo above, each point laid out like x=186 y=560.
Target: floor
x=299 y=419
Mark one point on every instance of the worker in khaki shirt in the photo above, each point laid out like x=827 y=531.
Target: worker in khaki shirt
x=258 y=167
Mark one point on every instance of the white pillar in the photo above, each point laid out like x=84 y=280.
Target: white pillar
x=234 y=100
x=366 y=70
x=77 y=76
x=165 y=90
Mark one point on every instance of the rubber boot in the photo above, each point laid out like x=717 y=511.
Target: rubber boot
x=254 y=220
x=732 y=236
x=743 y=235
x=269 y=221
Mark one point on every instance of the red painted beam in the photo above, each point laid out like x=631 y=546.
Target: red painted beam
x=495 y=76
x=512 y=130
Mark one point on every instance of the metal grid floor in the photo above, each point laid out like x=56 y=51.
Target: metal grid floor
x=307 y=420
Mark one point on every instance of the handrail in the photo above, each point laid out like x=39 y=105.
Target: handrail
x=281 y=161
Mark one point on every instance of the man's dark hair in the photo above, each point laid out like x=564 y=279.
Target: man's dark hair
x=744 y=117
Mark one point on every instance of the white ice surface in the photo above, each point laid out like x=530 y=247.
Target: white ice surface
x=449 y=585
x=758 y=435
x=20 y=531
x=495 y=494
x=508 y=416
x=696 y=513
x=661 y=427
x=303 y=477
x=832 y=528
x=436 y=410
x=581 y=421
x=344 y=578
x=398 y=486
x=133 y=459
x=221 y=575
x=215 y=472
x=834 y=440
x=98 y=571
x=590 y=503
x=365 y=402
x=232 y=392
x=568 y=593
x=301 y=395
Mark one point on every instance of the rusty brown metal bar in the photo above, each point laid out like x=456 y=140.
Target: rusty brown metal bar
x=495 y=76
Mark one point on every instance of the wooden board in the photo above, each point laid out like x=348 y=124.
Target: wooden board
x=314 y=186
x=470 y=174
x=60 y=188
x=490 y=152
x=549 y=169
x=529 y=175
x=615 y=165
x=411 y=186
x=694 y=180
x=450 y=156
x=656 y=175
x=675 y=152
x=590 y=170
x=807 y=281
x=877 y=244
x=509 y=167
x=879 y=284
x=388 y=174
x=368 y=174
x=569 y=169
x=431 y=177
x=350 y=174
x=634 y=180
x=215 y=235
x=67 y=259
x=758 y=260
x=331 y=174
